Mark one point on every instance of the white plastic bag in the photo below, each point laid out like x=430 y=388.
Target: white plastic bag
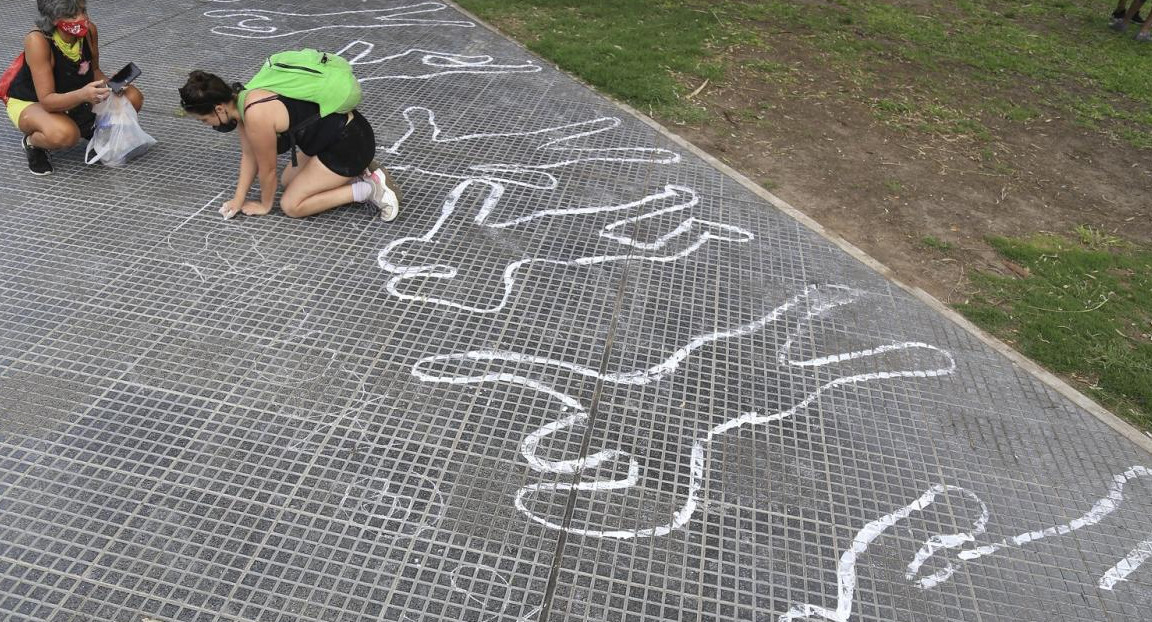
x=117 y=137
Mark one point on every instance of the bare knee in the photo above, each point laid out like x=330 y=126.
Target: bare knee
x=135 y=97
x=60 y=135
x=292 y=206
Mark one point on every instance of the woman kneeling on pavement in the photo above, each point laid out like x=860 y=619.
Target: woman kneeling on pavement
x=51 y=98
x=336 y=149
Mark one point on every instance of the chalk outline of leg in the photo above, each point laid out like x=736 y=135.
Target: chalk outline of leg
x=442 y=271
x=1099 y=511
x=840 y=296
x=543 y=180
x=449 y=63
x=846 y=567
x=250 y=20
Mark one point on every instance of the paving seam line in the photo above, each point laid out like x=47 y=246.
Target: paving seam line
x=1106 y=416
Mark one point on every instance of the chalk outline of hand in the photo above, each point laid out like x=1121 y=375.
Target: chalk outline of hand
x=448 y=63
x=682 y=197
x=833 y=296
x=260 y=23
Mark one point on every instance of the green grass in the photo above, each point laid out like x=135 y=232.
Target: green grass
x=1084 y=311
x=954 y=57
x=936 y=243
x=640 y=51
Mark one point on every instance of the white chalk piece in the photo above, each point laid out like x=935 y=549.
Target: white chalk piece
x=228 y=212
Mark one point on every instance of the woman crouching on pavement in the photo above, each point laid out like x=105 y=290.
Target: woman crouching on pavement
x=336 y=166
x=51 y=98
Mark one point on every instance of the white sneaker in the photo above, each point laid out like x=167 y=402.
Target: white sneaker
x=384 y=195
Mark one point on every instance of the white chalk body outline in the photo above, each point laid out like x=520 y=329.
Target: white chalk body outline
x=432 y=64
x=819 y=301
x=683 y=198
x=260 y=23
x=494 y=179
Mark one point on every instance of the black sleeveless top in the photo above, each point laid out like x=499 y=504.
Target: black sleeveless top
x=312 y=135
x=66 y=71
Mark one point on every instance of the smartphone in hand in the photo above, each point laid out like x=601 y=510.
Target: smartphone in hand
x=123 y=78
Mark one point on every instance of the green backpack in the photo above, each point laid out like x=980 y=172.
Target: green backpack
x=309 y=75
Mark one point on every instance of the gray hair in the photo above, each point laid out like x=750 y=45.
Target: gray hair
x=52 y=11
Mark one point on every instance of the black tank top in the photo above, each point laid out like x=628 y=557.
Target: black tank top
x=312 y=135
x=66 y=71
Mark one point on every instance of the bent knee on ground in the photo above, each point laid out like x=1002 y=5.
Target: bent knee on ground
x=292 y=206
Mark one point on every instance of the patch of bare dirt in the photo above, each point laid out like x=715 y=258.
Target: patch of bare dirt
x=886 y=189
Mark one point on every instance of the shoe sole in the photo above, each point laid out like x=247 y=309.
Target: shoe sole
x=391 y=187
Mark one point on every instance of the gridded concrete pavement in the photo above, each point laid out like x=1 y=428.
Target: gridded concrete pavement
x=345 y=420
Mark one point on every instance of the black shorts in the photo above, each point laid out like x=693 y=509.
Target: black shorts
x=353 y=150
x=84 y=119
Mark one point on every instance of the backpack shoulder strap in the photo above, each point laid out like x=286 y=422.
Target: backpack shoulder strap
x=260 y=101
x=245 y=105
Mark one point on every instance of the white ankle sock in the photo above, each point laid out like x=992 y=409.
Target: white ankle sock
x=361 y=190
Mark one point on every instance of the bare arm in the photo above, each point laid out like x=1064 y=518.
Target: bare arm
x=260 y=127
x=247 y=171
x=94 y=42
x=38 y=55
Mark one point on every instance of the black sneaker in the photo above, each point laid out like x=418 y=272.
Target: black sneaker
x=38 y=161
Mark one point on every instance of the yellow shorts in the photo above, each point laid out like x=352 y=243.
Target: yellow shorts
x=15 y=107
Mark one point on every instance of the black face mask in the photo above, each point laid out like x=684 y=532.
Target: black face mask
x=224 y=128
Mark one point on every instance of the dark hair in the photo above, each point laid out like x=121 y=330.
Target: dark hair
x=204 y=91
x=52 y=11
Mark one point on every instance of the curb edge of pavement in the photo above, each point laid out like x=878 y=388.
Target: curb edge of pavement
x=1106 y=416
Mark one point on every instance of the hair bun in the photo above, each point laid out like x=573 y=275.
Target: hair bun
x=237 y=87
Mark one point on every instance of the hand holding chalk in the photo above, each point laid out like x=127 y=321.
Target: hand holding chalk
x=227 y=211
